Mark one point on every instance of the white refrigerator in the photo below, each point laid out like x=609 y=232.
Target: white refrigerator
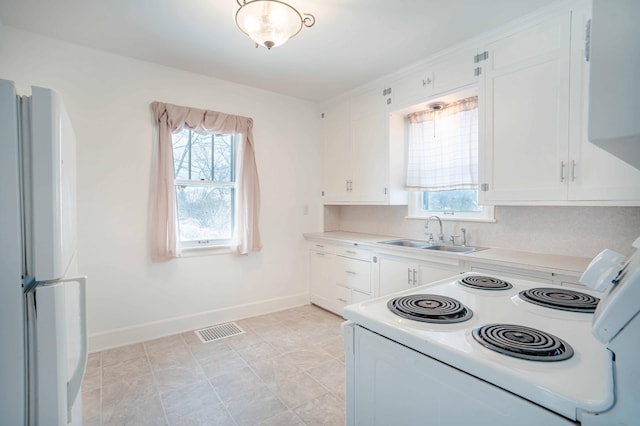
x=43 y=349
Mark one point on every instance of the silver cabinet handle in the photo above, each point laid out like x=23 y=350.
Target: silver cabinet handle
x=351 y=272
x=573 y=170
x=319 y=254
x=414 y=277
x=562 y=167
x=351 y=252
x=346 y=182
x=342 y=300
x=408 y=276
x=319 y=246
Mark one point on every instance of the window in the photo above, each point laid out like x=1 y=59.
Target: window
x=197 y=172
x=204 y=167
x=442 y=161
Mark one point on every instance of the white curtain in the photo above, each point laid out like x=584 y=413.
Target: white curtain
x=172 y=118
x=443 y=148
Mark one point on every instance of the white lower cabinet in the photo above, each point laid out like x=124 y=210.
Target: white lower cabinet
x=322 y=272
x=340 y=275
x=397 y=274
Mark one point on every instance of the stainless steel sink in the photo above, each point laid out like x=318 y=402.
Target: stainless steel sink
x=407 y=243
x=453 y=249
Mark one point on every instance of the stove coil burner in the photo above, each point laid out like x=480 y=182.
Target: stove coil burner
x=566 y=300
x=522 y=342
x=430 y=308
x=485 y=283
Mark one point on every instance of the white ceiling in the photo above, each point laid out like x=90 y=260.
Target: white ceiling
x=352 y=42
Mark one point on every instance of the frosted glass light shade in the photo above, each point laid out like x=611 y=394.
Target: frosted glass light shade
x=270 y=23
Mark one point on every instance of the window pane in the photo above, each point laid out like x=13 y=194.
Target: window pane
x=181 y=154
x=201 y=153
x=457 y=200
x=204 y=212
x=223 y=158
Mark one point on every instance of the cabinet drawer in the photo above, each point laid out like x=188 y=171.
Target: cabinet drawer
x=328 y=248
x=343 y=296
x=354 y=252
x=355 y=274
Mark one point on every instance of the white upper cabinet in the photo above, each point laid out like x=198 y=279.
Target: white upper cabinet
x=594 y=174
x=614 y=59
x=526 y=113
x=357 y=151
x=368 y=147
x=335 y=135
x=427 y=81
x=534 y=85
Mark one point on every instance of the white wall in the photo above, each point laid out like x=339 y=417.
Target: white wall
x=570 y=231
x=108 y=99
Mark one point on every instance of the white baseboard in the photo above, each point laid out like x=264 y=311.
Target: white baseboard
x=154 y=330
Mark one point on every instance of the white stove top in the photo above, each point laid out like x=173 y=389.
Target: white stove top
x=584 y=381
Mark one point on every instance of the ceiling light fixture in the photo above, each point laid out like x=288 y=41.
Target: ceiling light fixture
x=436 y=107
x=270 y=23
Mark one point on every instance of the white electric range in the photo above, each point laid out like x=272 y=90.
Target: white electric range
x=408 y=365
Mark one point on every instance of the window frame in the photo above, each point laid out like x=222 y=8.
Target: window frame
x=415 y=211
x=231 y=184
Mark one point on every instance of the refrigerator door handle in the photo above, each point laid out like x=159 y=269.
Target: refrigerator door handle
x=73 y=385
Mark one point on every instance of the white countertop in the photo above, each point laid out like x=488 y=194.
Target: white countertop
x=551 y=263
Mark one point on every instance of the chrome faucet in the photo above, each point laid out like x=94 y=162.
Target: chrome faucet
x=426 y=226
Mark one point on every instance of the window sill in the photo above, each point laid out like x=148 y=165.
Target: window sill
x=449 y=218
x=205 y=251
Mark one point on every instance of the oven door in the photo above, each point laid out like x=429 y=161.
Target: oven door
x=395 y=385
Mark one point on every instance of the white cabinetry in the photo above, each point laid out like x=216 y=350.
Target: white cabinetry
x=358 y=155
x=355 y=150
x=336 y=140
x=340 y=275
x=526 y=113
x=534 y=88
x=321 y=267
x=427 y=81
x=594 y=174
x=614 y=85
x=397 y=274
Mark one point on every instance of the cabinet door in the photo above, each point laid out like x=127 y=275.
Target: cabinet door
x=396 y=275
x=353 y=273
x=432 y=273
x=322 y=278
x=614 y=86
x=415 y=87
x=526 y=96
x=368 y=148
x=594 y=173
x=335 y=133
x=454 y=72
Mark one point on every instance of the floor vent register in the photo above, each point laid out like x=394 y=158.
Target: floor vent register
x=218 y=332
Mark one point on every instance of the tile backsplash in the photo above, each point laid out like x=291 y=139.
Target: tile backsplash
x=571 y=231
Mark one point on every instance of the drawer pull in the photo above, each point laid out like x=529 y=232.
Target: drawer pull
x=351 y=272
x=342 y=300
x=319 y=246
x=352 y=252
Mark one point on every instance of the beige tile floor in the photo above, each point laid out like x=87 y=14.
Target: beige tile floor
x=287 y=369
